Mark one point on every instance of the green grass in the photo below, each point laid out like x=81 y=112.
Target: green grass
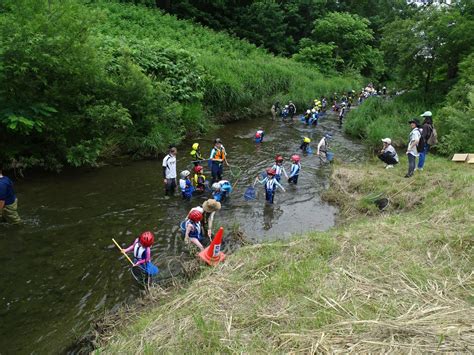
x=239 y=77
x=398 y=281
x=379 y=117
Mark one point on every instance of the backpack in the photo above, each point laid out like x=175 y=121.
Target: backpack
x=433 y=139
x=421 y=143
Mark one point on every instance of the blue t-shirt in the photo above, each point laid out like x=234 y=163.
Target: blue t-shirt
x=6 y=191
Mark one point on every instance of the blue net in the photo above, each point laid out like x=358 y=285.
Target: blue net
x=250 y=193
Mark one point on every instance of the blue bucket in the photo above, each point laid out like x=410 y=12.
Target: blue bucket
x=329 y=156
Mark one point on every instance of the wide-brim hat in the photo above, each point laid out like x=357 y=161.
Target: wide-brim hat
x=387 y=140
x=426 y=114
x=211 y=205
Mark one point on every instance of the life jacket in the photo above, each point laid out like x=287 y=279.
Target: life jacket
x=139 y=252
x=199 y=180
x=259 y=134
x=270 y=185
x=219 y=153
x=195 y=231
x=295 y=169
x=278 y=169
x=186 y=187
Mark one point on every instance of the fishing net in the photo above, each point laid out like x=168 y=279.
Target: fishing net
x=235 y=171
x=250 y=194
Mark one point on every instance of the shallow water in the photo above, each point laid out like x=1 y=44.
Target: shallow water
x=60 y=268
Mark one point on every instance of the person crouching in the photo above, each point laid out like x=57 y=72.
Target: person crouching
x=388 y=154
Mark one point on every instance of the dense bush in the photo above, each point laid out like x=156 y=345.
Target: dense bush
x=379 y=117
x=456 y=118
x=81 y=82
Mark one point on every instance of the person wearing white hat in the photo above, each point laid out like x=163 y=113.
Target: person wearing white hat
x=388 y=154
x=426 y=132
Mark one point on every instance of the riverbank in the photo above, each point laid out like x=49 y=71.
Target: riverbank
x=137 y=80
x=397 y=280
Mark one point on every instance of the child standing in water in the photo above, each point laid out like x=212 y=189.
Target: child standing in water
x=142 y=253
x=259 y=135
x=271 y=185
x=199 y=179
x=196 y=154
x=279 y=168
x=305 y=145
x=295 y=169
x=186 y=185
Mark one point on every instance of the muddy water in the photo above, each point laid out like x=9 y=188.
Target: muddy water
x=60 y=269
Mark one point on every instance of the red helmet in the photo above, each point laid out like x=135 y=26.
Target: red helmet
x=295 y=158
x=198 y=169
x=279 y=159
x=147 y=239
x=271 y=172
x=195 y=216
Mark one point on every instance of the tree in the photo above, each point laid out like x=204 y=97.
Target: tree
x=321 y=55
x=262 y=23
x=349 y=37
x=428 y=47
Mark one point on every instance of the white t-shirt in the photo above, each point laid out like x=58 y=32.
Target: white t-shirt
x=322 y=146
x=390 y=149
x=414 y=136
x=169 y=162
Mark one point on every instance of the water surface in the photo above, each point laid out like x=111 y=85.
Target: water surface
x=61 y=270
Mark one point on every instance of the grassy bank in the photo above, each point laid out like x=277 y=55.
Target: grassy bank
x=380 y=117
x=399 y=280
x=105 y=78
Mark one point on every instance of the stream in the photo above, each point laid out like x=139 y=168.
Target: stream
x=60 y=268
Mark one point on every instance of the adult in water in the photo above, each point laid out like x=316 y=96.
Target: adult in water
x=169 y=171
x=208 y=210
x=218 y=157
x=8 y=200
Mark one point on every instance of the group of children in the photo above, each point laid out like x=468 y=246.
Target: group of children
x=200 y=218
x=198 y=183
x=273 y=176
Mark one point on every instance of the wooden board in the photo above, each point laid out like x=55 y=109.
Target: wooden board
x=470 y=159
x=460 y=157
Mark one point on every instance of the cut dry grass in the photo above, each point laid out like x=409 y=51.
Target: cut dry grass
x=402 y=281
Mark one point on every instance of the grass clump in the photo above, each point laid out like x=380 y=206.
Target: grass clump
x=398 y=281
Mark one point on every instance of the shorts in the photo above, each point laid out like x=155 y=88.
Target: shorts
x=10 y=213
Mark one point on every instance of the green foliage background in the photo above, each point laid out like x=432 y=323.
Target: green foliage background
x=85 y=81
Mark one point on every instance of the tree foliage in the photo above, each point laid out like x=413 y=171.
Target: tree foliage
x=84 y=81
x=427 y=47
x=344 y=40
